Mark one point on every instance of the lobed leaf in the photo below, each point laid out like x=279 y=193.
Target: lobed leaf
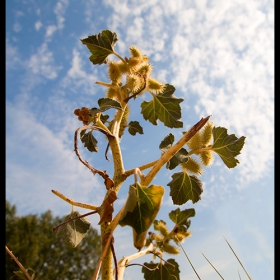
x=180 y=157
x=181 y=218
x=161 y=271
x=134 y=127
x=227 y=146
x=142 y=206
x=89 y=141
x=184 y=187
x=165 y=107
x=73 y=231
x=101 y=46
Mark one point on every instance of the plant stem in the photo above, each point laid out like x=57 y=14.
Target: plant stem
x=172 y=151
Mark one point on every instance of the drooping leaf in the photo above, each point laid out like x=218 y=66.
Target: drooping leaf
x=164 y=106
x=181 y=218
x=101 y=46
x=73 y=231
x=134 y=127
x=184 y=187
x=180 y=157
x=107 y=214
x=227 y=146
x=89 y=141
x=161 y=271
x=141 y=208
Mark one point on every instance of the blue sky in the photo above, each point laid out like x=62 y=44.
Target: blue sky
x=219 y=55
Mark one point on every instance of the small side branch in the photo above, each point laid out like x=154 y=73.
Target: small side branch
x=172 y=151
x=74 y=203
x=19 y=264
x=108 y=182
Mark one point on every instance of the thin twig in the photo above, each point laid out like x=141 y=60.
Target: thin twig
x=72 y=202
x=103 y=174
x=115 y=258
x=18 y=263
x=75 y=218
x=151 y=269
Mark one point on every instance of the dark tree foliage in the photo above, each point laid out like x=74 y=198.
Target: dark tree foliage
x=33 y=242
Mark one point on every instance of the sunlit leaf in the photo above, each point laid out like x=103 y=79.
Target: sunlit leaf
x=227 y=146
x=164 y=106
x=101 y=46
x=161 y=271
x=184 y=187
x=134 y=127
x=89 y=141
x=141 y=208
x=75 y=230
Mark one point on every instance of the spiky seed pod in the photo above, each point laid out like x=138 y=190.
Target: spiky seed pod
x=155 y=85
x=158 y=237
x=170 y=249
x=161 y=227
x=112 y=93
x=134 y=62
x=123 y=67
x=193 y=166
x=206 y=133
x=77 y=112
x=181 y=236
x=207 y=157
x=145 y=69
x=134 y=82
x=124 y=121
x=114 y=71
x=135 y=52
x=195 y=141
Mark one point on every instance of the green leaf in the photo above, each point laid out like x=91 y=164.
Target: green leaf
x=101 y=46
x=180 y=157
x=89 y=141
x=164 y=106
x=184 y=188
x=181 y=218
x=141 y=209
x=159 y=271
x=227 y=146
x=105 y=104
x=19 y=275
x=134 y=127
x=73 y=231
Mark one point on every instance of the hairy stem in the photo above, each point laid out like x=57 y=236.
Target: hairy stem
x=172 y=151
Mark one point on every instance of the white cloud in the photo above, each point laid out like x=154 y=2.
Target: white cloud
x=42 y=146
x=42 y=63
x=38 y=25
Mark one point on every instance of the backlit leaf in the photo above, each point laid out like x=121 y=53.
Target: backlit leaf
x=161 y=271
x=101 y=46
x=73 y=231
x=89 y=141
x=164 y=106
x=184 y=187
x=227 y=146
x=141 y=208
